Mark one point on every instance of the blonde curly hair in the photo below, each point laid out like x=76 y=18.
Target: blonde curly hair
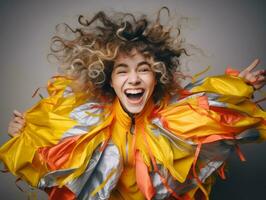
x=89 y=56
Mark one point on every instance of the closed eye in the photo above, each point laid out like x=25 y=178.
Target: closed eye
x=121 y=69
x=121 y=72
x=145 y=68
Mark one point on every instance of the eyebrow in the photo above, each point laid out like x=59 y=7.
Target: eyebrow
x=138 y=65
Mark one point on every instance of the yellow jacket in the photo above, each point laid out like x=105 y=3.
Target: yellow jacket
x=77 y=148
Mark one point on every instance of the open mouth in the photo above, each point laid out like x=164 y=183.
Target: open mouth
x=134 y=95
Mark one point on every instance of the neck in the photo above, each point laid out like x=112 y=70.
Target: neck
x=126 y=117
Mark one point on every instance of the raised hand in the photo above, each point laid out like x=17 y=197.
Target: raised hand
x=16 y=124
x=255 y=78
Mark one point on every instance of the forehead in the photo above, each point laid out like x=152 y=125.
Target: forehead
x=133 y=56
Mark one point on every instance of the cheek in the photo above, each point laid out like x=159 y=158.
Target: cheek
x=116 y=83
x=151 y=83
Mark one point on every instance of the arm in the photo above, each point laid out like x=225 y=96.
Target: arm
x=225 y=102
x=233 y=87
x=46 y=122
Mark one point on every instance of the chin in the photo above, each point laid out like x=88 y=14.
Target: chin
x=134 y=109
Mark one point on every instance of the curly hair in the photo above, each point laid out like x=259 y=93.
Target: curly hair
x=89 y=56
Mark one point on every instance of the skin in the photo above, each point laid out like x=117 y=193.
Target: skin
x=256 y=78
x=16 y=124
x=133 y=76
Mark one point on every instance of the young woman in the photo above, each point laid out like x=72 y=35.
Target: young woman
x=117 y=124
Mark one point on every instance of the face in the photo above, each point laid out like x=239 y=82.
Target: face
x=133 y=81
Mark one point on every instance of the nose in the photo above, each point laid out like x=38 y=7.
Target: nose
x=133 y=78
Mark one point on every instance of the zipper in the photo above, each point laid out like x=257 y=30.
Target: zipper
x=132 y=126
x=131 y=131
x=126 y=148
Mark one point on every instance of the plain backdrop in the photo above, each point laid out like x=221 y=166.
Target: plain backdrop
x=229 y=32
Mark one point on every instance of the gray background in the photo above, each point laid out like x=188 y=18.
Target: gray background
x=230 y=32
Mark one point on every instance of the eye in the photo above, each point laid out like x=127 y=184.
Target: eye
x=121 y=72
x=144 y=68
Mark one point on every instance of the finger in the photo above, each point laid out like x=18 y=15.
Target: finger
x=13 y=134
x=17 y=126
x=261 y=72
x=262 y=79
x=13 y=130
x=259 y=83
x=250 y=78
x=18 y=114
x=259 y=80
x=252 y=65
x=19 y=120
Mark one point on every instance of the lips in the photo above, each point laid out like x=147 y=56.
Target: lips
x=134 y=95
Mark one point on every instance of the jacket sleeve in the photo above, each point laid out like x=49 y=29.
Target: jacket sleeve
x=213 y=116
x=214 y=108
x=45 y=124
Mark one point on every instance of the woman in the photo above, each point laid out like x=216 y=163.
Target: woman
x=118 y=125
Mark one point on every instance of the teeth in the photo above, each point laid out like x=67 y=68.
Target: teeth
x=134 y=91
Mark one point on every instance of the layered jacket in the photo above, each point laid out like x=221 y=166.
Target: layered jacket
x=74 y=147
